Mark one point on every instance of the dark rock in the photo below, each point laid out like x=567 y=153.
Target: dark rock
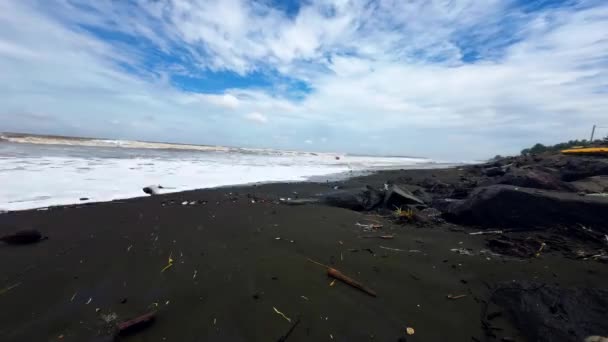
x=428 y=215
x=580 y=167
x=494 y=171
x=517 y=247
x=354 y=199
x=152 y=189
x=84 y=198
x=22 y=237
x=531 y=178
x=597 y=184
x=514 y=207
x=548 y=313
x=398 y=197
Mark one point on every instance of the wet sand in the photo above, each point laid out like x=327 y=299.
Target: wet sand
x=238 y=254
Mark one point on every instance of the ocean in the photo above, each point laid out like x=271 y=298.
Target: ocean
x=41 y=171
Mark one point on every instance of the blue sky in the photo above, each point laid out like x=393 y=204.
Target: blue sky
x=457 y=79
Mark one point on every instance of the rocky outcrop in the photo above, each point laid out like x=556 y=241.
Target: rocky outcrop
x=582 y=167
x=546 y=313
x=534 y=178
x=597 y=184
x=398 y=196
x=355 y=199
x=520 y=208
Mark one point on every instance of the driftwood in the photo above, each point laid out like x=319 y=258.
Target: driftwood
x=334 y=273
x=136 y=324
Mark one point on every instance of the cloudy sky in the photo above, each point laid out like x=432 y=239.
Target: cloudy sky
x=451 y=79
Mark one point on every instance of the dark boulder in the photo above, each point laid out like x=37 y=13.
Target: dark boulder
x=582 y=167
x=597 y=184
x=22 y=237
x=534 y=178
x=494 y=171
x=547 y=313
x=520 y=208
x=355 y=199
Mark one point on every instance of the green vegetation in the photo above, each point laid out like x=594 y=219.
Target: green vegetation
x=540 y=148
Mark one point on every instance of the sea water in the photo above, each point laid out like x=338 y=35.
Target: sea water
x=35 y=175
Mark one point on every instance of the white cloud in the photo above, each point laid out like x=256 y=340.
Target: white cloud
x=391 y=69
x=308 y=141
x=256 y=117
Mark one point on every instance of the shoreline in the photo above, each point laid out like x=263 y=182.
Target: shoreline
x=331 y=177
x=238 y=253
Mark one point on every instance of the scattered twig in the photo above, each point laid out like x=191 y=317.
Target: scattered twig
x=291 y=329
x=169 y=263
x=282 y=314
x=451 y=296
x=542 y=246
x=487 y=232
x=386 y=237
x=8 y=288
x=392 y=249
x=369 y=225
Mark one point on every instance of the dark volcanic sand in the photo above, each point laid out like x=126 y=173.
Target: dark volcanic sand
x=109 y=252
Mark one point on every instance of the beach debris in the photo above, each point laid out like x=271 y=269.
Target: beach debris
x=410 y=331
x=109 y=318
x=8 y=288
x=462 y=251
x=136 y=324
x=334 y=273
x=185 y=203
x=331 y=336
x=451 y=296
x=370 y=226
x=392 y=249
x=304 y=297
x=129 y=248
x=214 y=321
x=73 y=296
x=281 y=314
x=194 y=276
x=540 y=249
x=291 y=329
x=333 y=282
x=169 y=263
x=89 y=301
x=22 y=237
x=407 y=214
x=487 y=232
x=386 y=237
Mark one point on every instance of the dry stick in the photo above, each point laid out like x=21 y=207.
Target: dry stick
x=386 y=237
x=334 y=273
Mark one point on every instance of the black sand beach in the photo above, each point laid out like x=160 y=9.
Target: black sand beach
x=239 y=253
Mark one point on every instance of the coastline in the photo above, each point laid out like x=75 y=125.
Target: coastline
x=238 y=252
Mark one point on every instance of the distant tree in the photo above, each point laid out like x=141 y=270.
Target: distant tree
x=540 y=148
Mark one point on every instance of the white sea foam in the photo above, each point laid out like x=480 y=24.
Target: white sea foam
x=33 y=176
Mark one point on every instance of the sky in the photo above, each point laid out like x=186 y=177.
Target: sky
x=446 y=79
